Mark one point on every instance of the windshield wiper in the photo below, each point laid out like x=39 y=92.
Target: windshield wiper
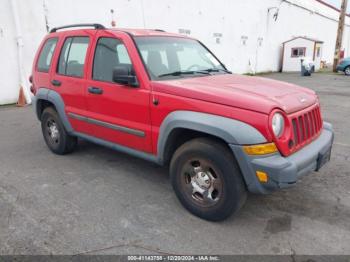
x=217 y=70
x=178 y=73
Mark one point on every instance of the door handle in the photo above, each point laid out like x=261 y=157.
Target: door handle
x=95 y=90
x=56 y=82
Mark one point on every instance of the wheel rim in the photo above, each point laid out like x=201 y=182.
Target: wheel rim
x=201 y=183
x=347 y=71
x=52 y=131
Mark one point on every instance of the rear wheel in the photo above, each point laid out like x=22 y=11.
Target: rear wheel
x=347 y=71
x=207 y=180
x=55 y=135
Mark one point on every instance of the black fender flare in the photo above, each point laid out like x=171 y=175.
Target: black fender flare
x=56 y=99
x=230 y=130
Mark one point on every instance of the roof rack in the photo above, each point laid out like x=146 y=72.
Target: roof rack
x=159 y=30
x=96 y=26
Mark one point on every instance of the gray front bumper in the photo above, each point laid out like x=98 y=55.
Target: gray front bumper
x=282 y=171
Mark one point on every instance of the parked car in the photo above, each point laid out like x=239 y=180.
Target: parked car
x=344 y=66
x=168 y=99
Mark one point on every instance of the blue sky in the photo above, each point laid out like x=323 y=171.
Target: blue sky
x=337 y=3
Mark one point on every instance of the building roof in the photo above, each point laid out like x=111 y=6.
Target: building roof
x=304 y=37
x=331 y=6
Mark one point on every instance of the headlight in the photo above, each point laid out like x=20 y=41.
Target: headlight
x=277 y=124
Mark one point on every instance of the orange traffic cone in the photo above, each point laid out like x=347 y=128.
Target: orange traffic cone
x=21 y=98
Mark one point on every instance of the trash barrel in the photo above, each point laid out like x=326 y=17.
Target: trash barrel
x=307 y=67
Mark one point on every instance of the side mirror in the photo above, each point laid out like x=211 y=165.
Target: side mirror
x=123 y=74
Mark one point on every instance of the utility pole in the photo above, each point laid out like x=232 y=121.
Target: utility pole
x=338 y=43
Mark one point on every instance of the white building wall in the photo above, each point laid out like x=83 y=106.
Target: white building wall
x=235 y=20
x=9 y=76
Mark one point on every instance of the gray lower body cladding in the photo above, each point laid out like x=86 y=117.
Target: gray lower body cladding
x=283 y=171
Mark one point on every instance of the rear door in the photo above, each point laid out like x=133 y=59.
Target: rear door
x=70 y=75
x=118 y=113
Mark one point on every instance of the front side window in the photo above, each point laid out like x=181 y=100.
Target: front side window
x=45 y=57
x=72 y=57
x=109 y=53
x=175 y=57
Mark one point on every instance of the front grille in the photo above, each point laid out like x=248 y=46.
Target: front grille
x=306 y=126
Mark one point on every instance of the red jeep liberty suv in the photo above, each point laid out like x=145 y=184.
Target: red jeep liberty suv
x=166 y=98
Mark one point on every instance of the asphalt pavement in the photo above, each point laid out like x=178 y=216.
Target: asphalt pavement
x=98 y=201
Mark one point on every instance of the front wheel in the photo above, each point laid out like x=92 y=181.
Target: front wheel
x=347 y=71
x=207 y=180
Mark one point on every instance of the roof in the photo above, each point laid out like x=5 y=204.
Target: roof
x=306 y=38
x=133 y=32
x=147 y=32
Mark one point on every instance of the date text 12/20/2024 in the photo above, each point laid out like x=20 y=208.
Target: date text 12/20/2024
x=173 y=258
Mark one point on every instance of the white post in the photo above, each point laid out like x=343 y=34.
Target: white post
x=22 y=75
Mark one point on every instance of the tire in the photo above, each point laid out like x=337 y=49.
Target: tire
x=56 y=137
x=207 y=165
x=347 y=70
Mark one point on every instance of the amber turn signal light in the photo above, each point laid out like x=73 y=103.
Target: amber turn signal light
x=262 y=176
x=261 y=149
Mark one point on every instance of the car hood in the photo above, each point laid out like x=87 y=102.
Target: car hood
x=252 y=93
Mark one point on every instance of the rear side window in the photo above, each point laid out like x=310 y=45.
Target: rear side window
x=46 y=54
x=72 y=57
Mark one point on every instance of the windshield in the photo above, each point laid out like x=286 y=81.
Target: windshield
x=175 y=57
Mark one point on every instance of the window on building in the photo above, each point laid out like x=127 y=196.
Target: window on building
x=46 y=54
x=109 y=53
x=72 y=57
x=298 y=51
x=318 y=51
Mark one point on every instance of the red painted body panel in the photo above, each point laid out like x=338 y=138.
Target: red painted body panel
x=169 y=103
x=119 y=104
x=72 y=89
x=251 y=93
x=247 y=99
x=40 y=79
